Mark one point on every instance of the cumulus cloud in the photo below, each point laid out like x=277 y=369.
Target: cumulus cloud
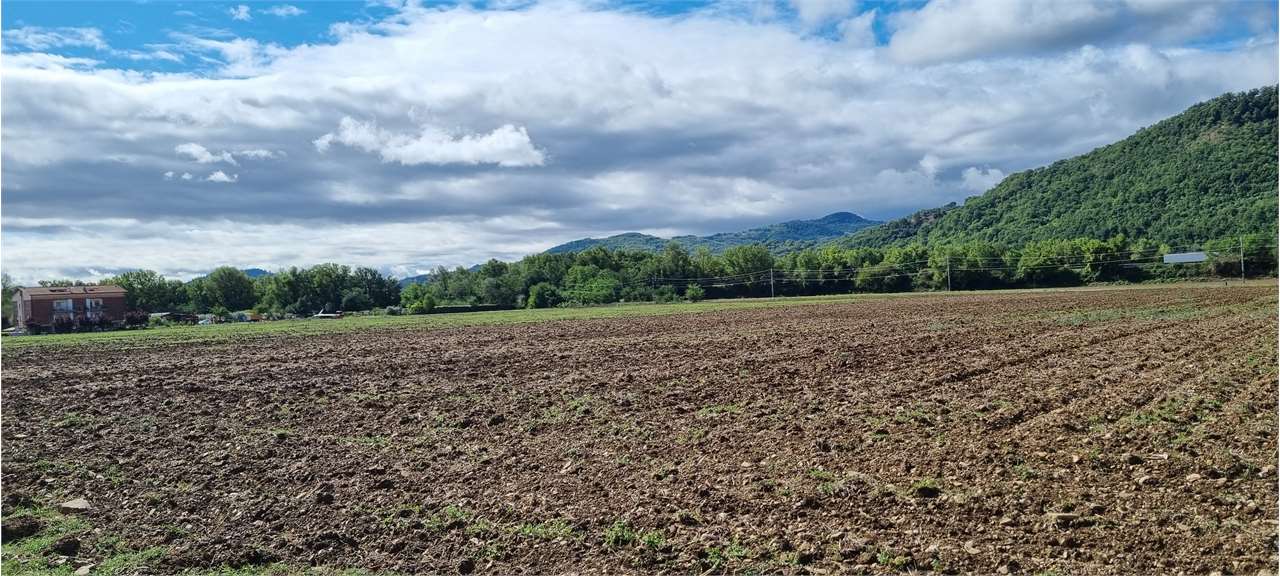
x=203 y=155
x=516 y=130
x=239 y=57
x=506 y=145
x=285 y=11
x=979 y=180
x=240 y=12
x=220 y=176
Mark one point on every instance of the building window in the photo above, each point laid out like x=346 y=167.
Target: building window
x=63 y=305
x=93 y=304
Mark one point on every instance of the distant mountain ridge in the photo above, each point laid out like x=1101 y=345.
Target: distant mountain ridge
x=779 y=238
x=1207 y=173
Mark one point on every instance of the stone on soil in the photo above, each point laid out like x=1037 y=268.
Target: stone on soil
x=76 y=505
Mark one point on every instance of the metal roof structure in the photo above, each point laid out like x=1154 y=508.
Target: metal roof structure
x=59 y=292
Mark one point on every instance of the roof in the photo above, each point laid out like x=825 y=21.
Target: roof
x=56 y=292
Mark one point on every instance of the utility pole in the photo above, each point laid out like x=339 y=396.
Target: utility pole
x=948 y=273
x=1242 y=259
x=771 y=283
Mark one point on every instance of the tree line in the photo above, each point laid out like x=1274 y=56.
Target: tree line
x=601 y=276
x=295 y=291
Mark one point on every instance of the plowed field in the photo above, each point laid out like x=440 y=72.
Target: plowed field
x=1085 y=432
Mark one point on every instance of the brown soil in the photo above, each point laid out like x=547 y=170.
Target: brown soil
x=1017 y=432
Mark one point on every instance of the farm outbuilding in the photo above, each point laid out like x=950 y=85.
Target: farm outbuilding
x=73 y=304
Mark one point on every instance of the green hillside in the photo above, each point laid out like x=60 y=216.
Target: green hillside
x=779 y=238
x=1209 y=172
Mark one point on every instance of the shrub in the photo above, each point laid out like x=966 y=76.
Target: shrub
x=542 y=295
x=665 y=293
x=355 y=301
x=63 y=325
x=394 y=311
x=423 y=306
x=694 y=293
x=135 y=318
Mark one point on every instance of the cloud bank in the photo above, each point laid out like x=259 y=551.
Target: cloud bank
x=446 y=136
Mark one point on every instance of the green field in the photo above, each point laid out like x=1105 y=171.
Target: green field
x=302 y=327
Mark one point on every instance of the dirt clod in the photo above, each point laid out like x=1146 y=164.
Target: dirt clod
x=66 y=546
x=15 y=529
x=926 y=491
x=1062 y=519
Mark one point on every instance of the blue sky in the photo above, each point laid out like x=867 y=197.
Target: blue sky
x=148 y=25
x=179 y=136
x=140 y=24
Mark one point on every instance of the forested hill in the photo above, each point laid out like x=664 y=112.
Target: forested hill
x=1209 y=172
x=779 y=238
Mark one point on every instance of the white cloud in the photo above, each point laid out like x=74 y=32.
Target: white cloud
x=141 y=55
x=858 y=32
x=813 y=13
x=261 y=154
x=168 y=175
x=979 y=180
x=189 y=248
x=38 y=38
x=284 y=11
x=240 y=57
x=421 y=116
x=220 y=176
x=506 y=145
x=929 y=164
x=240 y=12
x=43 y=39
x=203 y=155
x=959 y=29
x=43 y=61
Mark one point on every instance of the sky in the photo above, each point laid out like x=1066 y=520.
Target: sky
x=181 y=136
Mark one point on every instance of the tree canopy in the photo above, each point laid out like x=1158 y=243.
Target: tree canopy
x=1209 y=172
